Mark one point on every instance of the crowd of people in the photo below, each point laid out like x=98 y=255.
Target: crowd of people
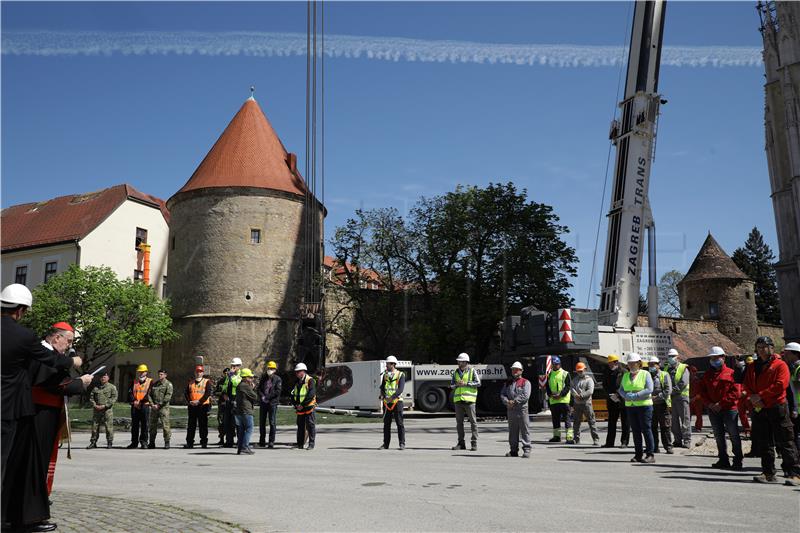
x=651 y=404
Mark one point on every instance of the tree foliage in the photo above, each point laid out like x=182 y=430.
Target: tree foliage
x=756 y=260
x=669 y=302
x=453 y=268
x=109 y=315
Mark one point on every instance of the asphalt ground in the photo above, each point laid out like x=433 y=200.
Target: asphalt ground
x=348 y=484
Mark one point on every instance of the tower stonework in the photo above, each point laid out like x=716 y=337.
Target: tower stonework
x=714 y=288
x=237 y=251
x=780 y=29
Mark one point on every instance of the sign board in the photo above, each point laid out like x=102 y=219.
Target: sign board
x=650 y=343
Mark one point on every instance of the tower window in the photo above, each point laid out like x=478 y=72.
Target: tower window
x=21 y=275
x=255 y=236
x=713 y=310
x=688 y=304
x=747 y=294
x=164 y=287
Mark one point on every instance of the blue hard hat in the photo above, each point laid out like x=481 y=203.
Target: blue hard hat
x=556 y=360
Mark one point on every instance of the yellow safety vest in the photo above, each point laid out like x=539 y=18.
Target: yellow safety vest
x=299 y=394
x=465 y=393
x=637 y=384
x=555 y=384
x=390 y=384
x=661 y=377
x=678 y=375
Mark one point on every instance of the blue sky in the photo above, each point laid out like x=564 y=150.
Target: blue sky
x=395 y=130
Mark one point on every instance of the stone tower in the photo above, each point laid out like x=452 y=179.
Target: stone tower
x=237 y=251
x=715 y=289
x=780 y=28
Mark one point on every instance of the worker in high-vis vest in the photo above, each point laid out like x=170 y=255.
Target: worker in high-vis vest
x=465 y=382
x=304 y=399
x=227 y=403
x=392 y=383
x=198 y=399
x=559 y=386
x=791 y=354
x=636 y=389
x=662 y=405
x=138 y=397
x=680 y=398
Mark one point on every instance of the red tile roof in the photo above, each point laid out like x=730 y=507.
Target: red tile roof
x=248 y=154
x=66 y=218
x=691 y=344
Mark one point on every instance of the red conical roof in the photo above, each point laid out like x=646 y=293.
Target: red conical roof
x=247 y=154
x=712 y=263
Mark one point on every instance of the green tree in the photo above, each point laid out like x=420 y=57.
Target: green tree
x=669 y=302
x=756 y=260
x=109 y=315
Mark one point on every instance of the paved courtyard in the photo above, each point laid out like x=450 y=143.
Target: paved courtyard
x=348 y=484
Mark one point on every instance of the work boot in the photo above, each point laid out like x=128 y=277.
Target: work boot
x=166 y=445
x=656 y=450
x=792 y=481
x=596 y=442
x=188 y=446
x=262 y=444
x=151 y=446
x=722 y=464
x=512 y=454
x=271 y=445
x=459 y=446
x=402 y=447
x=310 y=447
x=677 y=444
x=204 y=445
x=383 y=447
x=526 y=455
x=765 y=478
x=649 y=459
x=220 y=442
x=670 y=451
x=637 y=459
x=132 y=445
x=623 y=444
x=249 y=451
x=737 y=466
x=91 y=445
x=572 y=441
x=109 y=445
x=555 y=439
x=474 y=447
x=143 y=445
x=607 y=445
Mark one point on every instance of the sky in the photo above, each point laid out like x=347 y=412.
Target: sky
x=419 y=97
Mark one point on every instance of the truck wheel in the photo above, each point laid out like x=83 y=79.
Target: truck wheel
x=431 y=399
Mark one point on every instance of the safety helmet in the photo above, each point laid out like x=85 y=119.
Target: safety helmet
x=236 y=361
x=613 y=357
x=672 y=353
x=716 y=351
x=517 y=364
x=765 y=340
x=556 y=360
x=579 y=367
x=654 y=359
x=749 y=359
x=272 y=365
x=300 y=366
x=141 y=368
x=246 y=373
x=792 y=347
x=63 y=326
x=199 y=368
x=16 y=294
x=463 y=357
x=634 y=357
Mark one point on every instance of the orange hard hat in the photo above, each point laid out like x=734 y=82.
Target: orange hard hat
x=580 y=366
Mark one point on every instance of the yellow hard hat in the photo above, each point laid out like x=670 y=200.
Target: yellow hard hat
x=246 y=373
x=142 y=368
x=272 y=364
x=613 y=357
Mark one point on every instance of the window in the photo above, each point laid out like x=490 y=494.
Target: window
x=713 y=310
x=688 y=304
x=141 y=236
x=21 y=275
x=255 y=236
x=747 y=294
x=164 y=287
x=138 y=275
x=50 y=270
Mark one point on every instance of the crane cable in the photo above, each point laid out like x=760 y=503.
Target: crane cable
x=608 y=163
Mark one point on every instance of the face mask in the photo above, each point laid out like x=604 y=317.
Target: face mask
x=142 y=378
x=672 y=361
x=653 y=370
x=716 y=364
x=270 y=372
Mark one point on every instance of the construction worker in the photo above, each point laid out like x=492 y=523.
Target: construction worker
x=558 y=392
x=304 y=399
x=695 y=402
x=582 y=389
x=160 y=397
x=515 y=395
x=391 y=392
x=720 y=395
x=103 y=397
x=246 y=399
x=465 y=382
x=198 y=400
x=766 y=381
x=612 y=378
x=269 y=392
x=662 y=402
x=791 y=354
x=681 y=412
x=218 y=392
x=636 y=389
x=139 y=398
x=229 y=386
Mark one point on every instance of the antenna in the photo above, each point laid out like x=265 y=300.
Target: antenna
x=252 y=92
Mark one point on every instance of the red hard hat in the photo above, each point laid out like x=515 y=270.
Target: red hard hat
x=199 y=368
x=580 y=366
x=64 y=326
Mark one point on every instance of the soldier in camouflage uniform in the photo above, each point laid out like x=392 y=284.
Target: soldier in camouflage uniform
x=103 y=398
x=160 y=396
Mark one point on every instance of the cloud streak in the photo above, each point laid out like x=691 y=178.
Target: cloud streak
x=396 y=49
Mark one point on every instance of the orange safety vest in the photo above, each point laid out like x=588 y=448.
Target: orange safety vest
x=140 y=389
x=197 y=390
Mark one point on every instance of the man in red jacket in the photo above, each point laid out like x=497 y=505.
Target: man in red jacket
x=720 y=393
x=766 y=381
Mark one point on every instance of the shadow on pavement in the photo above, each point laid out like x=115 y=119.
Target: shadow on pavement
x=476 y=455
x=711 y=479
x=595 y=460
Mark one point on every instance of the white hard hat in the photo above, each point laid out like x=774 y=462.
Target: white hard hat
x=716 y=351
x=463 y=357
x=654 y=359
x=236 y=361
x=300 y=366
x=517 y=364
x=391 y=359
x=634 y=357
x=672 y=353
x=16 y=294
x=792 y=347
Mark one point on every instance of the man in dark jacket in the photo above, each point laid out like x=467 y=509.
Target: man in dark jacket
x=304 y=400
x=246 y=398
x=720 y=394
x=269 y=396
x=616 y=409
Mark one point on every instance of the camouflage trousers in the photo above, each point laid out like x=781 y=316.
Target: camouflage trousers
x=156 y=416
x=106 y=420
